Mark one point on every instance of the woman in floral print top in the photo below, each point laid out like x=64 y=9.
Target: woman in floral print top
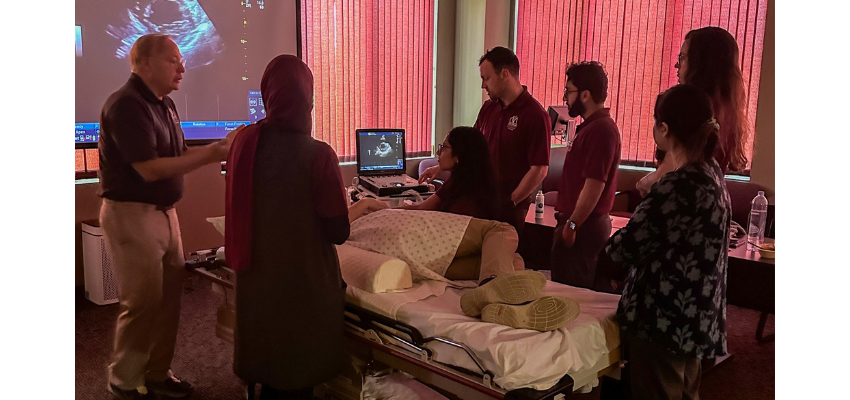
x=675 y=248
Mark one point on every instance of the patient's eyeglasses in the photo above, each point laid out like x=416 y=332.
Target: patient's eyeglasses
x=441 y=146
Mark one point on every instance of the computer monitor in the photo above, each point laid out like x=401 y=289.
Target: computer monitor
x=563 y=126
x=380 y=151
x=558 y=112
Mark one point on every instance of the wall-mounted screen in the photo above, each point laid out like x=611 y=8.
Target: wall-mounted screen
x=226 y=45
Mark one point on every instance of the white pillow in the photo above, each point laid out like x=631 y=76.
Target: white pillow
x=372 y=272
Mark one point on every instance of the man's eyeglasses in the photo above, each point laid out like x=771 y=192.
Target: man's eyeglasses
x=175 y=61
x=567 y=91
x=441 y=146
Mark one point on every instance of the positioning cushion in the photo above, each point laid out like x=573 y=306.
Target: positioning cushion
x=372 y=272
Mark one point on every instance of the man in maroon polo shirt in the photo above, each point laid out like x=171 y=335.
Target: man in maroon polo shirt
x=589 y=179
x=517 y=129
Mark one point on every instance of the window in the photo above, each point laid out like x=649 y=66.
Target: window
x=86 y=162
x=373 y=67
x=637 y=41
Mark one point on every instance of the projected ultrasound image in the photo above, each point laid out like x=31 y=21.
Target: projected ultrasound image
x=226 y=45
x=184 y=20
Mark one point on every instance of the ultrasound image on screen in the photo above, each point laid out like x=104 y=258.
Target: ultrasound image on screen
x=184 y=20
x=381 y=150
x=226 y=45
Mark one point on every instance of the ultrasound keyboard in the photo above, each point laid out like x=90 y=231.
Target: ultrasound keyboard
x=389 y=185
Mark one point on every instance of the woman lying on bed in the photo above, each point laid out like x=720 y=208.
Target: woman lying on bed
x=437 y=245
x=452 y=247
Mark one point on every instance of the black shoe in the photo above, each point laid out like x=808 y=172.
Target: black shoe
x=170 y=387
x=132 y=394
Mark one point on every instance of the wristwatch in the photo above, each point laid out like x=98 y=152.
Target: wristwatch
x=571 y=225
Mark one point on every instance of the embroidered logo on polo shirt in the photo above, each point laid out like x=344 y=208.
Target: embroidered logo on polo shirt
x=513 y=122
x=174 y=119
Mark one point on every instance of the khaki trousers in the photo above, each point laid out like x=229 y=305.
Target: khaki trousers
x=147 y=252
x=488 y=248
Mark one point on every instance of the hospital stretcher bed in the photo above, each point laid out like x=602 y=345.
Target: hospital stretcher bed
x=431 y=337
x=423 y=332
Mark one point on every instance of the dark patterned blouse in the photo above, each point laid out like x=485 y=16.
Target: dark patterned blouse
x=675 y=248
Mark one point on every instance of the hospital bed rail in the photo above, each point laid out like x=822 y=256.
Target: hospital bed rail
x=403 y=344
x=211 y=269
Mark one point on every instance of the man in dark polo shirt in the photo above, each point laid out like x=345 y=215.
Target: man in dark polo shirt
x=142 y=162
x=589 y=179
x=517 y=129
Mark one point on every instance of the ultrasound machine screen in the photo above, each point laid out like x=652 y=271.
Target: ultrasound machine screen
x=380 y=150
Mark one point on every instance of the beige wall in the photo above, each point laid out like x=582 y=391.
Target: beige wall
x=444 y=93
x=763 y=170
x=469 y=46
x=479 y=26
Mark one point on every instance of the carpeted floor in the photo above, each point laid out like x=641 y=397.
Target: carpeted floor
x=206 y=361
x=200 y=357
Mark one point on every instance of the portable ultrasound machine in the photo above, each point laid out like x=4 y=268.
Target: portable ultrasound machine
x=381 y=166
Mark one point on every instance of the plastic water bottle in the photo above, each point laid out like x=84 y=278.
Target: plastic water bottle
x=758 y=219
x=538 y=205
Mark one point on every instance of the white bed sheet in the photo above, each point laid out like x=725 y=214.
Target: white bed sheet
x=519 y=358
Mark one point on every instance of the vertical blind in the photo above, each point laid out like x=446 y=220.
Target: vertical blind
x=638 y=42
x=373 y=66
x=86 y=160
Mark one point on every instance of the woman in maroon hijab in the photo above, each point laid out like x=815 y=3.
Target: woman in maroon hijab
x=285 y=210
